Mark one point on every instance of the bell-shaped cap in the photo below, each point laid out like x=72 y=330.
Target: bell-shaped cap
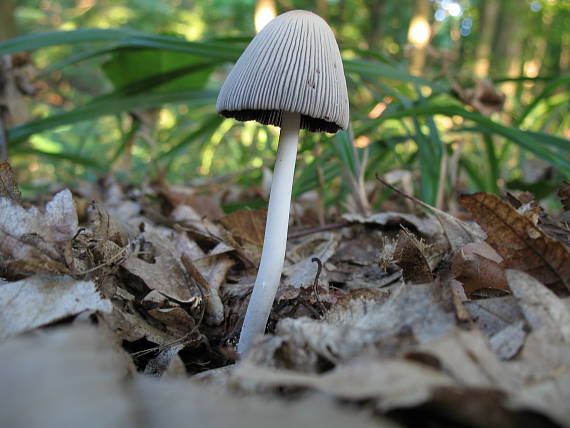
x=292 y=65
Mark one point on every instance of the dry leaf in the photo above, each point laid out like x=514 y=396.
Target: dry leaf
x=174 y=403
x=204 y=205
x=247 y=227
x=522 y=245
x=76 y=377
x=70 y=377
x=302 y=271
x=410 y=256
x=176 y=320
x=34 y=241
x=476 y=271
x=424 y=225
x=40 y=300
x=508 y=342
x=8 y=183
x=564 y=195
x=164 y=272
x=457 y=233
x=214 y=270
x=549 y=397
x=544 y=311
x=466 y=356
x=157 y=366
x=365 y=321
x=131 y=324
x=104 y=227
x=360 y=249
x=57 y=222
x=494 y=314
x=393 y=383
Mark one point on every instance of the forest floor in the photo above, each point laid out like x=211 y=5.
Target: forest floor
x=121 y=307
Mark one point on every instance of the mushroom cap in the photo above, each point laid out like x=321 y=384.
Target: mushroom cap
x=293 y=65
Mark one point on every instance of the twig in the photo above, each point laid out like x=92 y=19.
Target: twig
x=316 y=283
x=405 y=195
x=317 y=229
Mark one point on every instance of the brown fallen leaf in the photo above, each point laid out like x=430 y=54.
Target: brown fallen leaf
x=44 y=373
x=508 y=342
x=164 y=271
x=302 y=270
x=247 y=228
x=467 y=357
x=78 y=377
x=104 y=226
x=43 y=299
x=213 y=269
x=370 y=321
x=34 y=240
x=564 y=195
x=549 y=397
x=494 y=314
x=409 y=255
x=204 y=204
x=544 y=311
x=476 y=271
x=129 y=323
x=393 y=383
x=8 y=183
x=522 y=245
x=425 y=226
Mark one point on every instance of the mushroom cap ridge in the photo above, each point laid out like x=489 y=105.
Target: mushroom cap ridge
x=293 y=64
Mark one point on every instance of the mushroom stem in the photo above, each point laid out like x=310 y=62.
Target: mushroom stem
x=275 y=239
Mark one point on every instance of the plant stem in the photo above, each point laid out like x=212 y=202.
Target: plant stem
x=275 y=239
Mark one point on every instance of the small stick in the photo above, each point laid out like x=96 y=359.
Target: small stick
x=317 y=229
x=316 y=282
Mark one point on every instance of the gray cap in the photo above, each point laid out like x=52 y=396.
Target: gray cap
x=293 y=65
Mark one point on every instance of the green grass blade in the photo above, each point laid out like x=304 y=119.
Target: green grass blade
x=521 y=138
x=546 y=92
x=111 y=105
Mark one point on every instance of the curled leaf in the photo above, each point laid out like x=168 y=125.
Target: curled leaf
x=522 y=244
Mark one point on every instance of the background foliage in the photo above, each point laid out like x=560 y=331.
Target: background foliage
x=130 y=88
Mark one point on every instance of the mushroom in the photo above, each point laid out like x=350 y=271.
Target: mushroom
x=290 y=75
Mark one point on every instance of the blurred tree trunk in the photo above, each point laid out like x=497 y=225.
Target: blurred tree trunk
x=7 y=21
x=337 y=19
x=422 y=10
x=507 y=43
x=507 y=49
x=554 y=56
x=323 y=9
x=376 y=23
x=488 y=13
x=564 y=61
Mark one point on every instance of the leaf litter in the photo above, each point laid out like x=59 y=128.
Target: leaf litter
x=379 y=320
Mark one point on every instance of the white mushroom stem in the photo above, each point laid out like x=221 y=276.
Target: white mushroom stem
x=275 y=240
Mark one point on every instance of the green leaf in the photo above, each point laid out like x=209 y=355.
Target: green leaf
x=163 y=70
x=34 y=41
x=546 y=92
x=210 y=125
x=59 y=156
x=222 y=50
x=108 y=105
x=377 y=69
x=523 y=139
